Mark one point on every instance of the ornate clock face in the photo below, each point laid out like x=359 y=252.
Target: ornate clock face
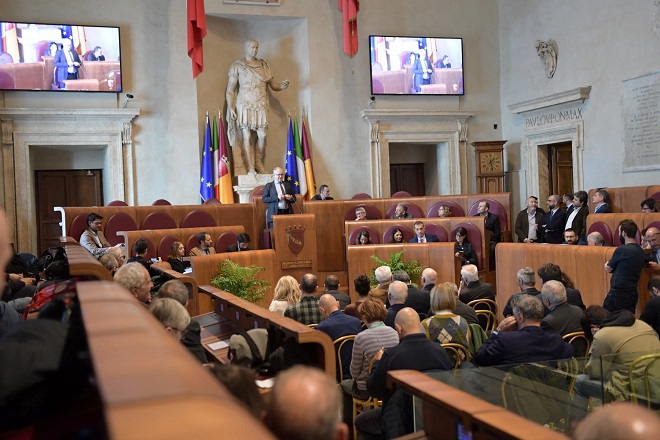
x=490 y=162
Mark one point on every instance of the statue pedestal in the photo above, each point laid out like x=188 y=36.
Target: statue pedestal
x=248 y=182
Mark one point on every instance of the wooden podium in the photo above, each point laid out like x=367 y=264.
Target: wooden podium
x=294 y=241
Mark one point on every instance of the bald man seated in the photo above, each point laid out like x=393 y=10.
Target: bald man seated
x=620 y=420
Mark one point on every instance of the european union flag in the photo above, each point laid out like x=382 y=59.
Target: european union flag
x=206 y=190
x=290 y=164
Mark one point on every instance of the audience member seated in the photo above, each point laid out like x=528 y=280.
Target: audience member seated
x=528 y=221
x=97 y=55
x=331 y=285
x=363 y=238
x=472 y=288
x=172 y=315
x=286 y=293
x=648 y=206
x=491 y=222
x=428 y=279
x=360 y=213
x=463 y=247
x=519 y=338
x=651 y=312
x=570 y=237
x=205 y=246
x=614 y=333
x=601 y=202
x=324 y=193
x=242 y=243
x=652 y=237
x=445 y=211
x=383 y=275
x=562 y=318
x=367 y=343
x=526 y=279
x=177 y=252
x=620 y=420
x=93 y=239
x=135 y=278
x=192 y=338
x=240 y=382
x=362 y=287
x=307 y=310
x=118 y=253
x=553 y=222
x=445 y=326
x=419 y=300
x=9 y=317
x=397 y=294
x=551 y=271
x=595 y=239
x=140 y=249
x=337 y=324
x=401 y=212
x=305 y=404
x=109 y=262
x=420 y=234
x=397 y=236
x=19 y=282
x=414 y=352
x=463 y=309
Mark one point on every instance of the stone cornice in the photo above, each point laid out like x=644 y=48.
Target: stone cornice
x=414 y=115
x=573 y=96
x=54 y=114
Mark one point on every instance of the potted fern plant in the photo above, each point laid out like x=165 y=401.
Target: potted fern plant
x=396 y=262
x=241 y=281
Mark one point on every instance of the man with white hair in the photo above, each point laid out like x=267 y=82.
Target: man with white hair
x=172 y=315
x=429 y=278
x=652 y=237
x=397 y=294
x=135 y=278
x=526 y=279
x=563 y=317
x=595 y=239
x=472 y=288
x=383 y=275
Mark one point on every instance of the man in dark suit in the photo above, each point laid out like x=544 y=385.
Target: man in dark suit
x=491 y=222
x=337 y=324
x=568 y=201
x=242 y=243
x=324 y=193
x=600 y=200
x=577 y=219
x=420 y=234
x=420 y=300
x=528 y=343
x=97 y=55
x=332 y=287
x=553 y=222
x=428 y=279
x=473 y=289
x=563 y=317
x=279 y=196
x=66 y=62
x=527 y=284
x=528 y=220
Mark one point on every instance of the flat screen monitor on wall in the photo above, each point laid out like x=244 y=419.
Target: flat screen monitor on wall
x=416 y=65
x=35 y=56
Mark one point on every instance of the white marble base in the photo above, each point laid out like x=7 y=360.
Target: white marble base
x=248 y=182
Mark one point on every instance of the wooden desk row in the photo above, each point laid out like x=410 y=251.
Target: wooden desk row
x=628 y=199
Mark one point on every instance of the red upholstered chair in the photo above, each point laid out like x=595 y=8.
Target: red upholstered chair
x=457 y=210
x=117 y=203
x=436 y=230
x=158 y=220
x=6 y=58
x=407 y=233
x=87 y=54
x=616 y=242
x=361 y=196
x=212 y=201
x=414 y=210
x=653 y=225
x=165 y=246
x=160 y=202
x=401 y=195
x=603 y=229
x=256 y=193
x=655 y=196
x=78 y=226
x=377 y=86
x=118 y=222
x=375 y=237
x=474 y=237
x=192 y=243
x=373 y=213
x=496 y=208
x=41 y=47
x=197 y=219
x=225 y=240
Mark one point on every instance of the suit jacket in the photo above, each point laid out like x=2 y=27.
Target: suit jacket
x=492 y=223
x=178 y=265
x=430 y=238
x=339 y=324
x=529 y=344
x=468 y=252
x=318 y=197
x=580 y=222
x=508 y=310
x=192 y=339
x=466 y=312
x=95 y=243
x=477 y=290
x=234 y=248
x=522 y=225
x=651 y=313
x=197 y=252
x=564 y=319
x=602 y=209
x=341 y=297
x=553 y=231
x=391 y=314
x=62 y=65
x=270 y=196
x=420 y=300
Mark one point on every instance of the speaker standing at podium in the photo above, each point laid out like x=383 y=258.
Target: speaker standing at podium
x=279 y=196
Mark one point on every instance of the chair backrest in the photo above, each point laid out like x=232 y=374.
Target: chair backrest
x=212 y=201
x=158 y=220
x=360 y=196
x=225 y=240
x=456 y=209
x=474 y=237
x=6 y=58
x=256 y=192
x=344 y=349
x=401 y=195
x=198 y=219
x=604 y=230
x=457 y=352
x=373 y=234
x=78 y=226
x=494 y=207
x=487 y=320
x=117 y=203
x=373 y=213
x=160 y=202
x=165 y=246
x=436 y=230
x=191 y=243
x=413 y=210
x=483 y=304
x=407 y=233
x=118 y=222
x=641 y=385
x=579 y=342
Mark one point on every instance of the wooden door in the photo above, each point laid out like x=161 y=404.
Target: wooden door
x=407 y=177
x=63 y=188
x=560 y=168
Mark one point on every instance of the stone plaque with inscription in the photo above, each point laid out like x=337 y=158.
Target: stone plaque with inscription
x=641 y=122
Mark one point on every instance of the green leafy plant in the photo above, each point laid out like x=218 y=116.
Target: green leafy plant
x=395 y=262
x=240 y=281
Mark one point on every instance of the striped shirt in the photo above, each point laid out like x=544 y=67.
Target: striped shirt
x=367 y=343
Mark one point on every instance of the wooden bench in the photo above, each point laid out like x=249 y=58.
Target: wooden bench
x=611 y=222
x=150 y=386
x=629 y=198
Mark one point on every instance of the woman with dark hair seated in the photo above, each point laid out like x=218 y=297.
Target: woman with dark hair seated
x=363 y=238
x=463 y=247
x=397 y=236
x=177 y=252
